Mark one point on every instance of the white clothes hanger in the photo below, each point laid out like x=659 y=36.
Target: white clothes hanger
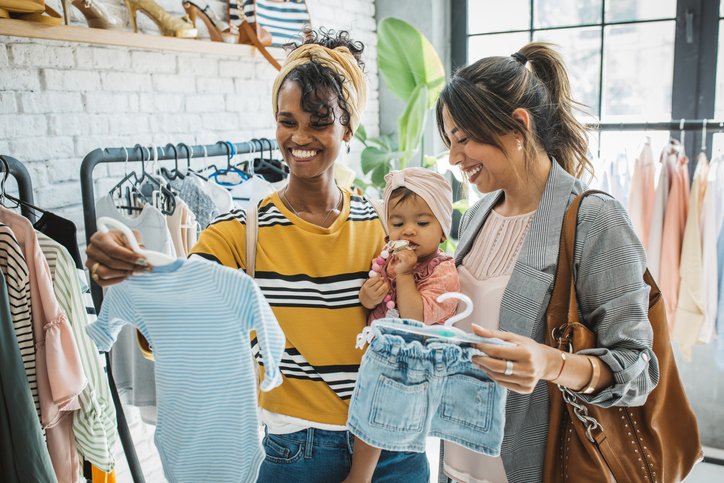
x=155 y=258
x=447 y=332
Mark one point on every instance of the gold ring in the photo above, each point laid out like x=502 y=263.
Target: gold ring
x=94 y=271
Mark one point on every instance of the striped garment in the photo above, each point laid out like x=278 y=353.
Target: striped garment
x=311 y=277
x=94 y=426
x=284 y=20
x=15 y=269
x=198 y=317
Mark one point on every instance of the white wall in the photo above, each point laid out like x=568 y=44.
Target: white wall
x=61 y=100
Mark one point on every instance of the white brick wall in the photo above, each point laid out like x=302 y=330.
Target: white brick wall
x=61 y=100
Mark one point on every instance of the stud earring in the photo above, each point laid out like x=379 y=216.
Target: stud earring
x=348 y=148
x=520 y=146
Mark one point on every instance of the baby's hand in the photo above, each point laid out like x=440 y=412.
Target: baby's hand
x=373 y=291
x=403 y=262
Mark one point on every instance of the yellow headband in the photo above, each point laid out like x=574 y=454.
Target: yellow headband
x=341 y=61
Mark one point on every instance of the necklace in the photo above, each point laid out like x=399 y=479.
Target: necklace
x=338 y=205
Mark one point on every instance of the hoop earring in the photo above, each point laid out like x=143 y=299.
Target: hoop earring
x=348 y=148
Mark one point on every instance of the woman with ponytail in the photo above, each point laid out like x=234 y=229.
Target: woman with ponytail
x=509 y=124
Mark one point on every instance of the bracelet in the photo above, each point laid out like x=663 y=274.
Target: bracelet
x=595 y=373
x=563 y=356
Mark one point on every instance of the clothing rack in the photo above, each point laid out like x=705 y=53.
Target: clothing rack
x=25 y=185
x=135 y=155
x=681 y=125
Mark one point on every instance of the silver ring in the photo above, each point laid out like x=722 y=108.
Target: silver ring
x=508 y=368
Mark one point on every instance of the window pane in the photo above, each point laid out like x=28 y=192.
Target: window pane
x=498 y=44
x=558 y=13
x=719 y=99
x=623 y=10
x=638 y=72
x=489 y=16
x=581 y=51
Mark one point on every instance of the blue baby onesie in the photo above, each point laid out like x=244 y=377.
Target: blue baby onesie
x=197 y=316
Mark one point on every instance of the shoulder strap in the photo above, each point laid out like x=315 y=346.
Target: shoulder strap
x=252 y=214
x=377 y=205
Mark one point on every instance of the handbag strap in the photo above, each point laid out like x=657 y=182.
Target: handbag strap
x=252 y=215
x=564 y=281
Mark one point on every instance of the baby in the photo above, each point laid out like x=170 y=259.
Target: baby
x=407 y=281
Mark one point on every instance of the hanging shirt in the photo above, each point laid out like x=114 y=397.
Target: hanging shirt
x=719 y=354
x=190 y=190
x=641 y=196
x=132 y=372
x=311 y=277
x=24 y=456
x=615 y=178
x=63 y=231
x=251 y=191
x=94 y=425
x=668 y=160
x=15 y=269
x=198 y=317
x=712 y=219
x=677 y=209
x=60 y=372
x=690 y=310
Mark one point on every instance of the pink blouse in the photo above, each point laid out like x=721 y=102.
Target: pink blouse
x=59 y=371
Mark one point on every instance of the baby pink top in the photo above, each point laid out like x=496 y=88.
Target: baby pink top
x=433 y=278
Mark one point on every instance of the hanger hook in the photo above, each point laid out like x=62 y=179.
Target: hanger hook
x=228 y=153
x=703 y=135
x=206 y=155
x=175 y=154
x=682 y=133
x=125 y=161
x=6 y=169
x=461 y=315
x=189 y=154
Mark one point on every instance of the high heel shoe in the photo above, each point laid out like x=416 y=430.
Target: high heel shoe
x=169 y=25
x=95 y=15
x=219 y=31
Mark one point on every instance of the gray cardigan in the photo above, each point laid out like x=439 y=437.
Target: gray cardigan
x=608 y=266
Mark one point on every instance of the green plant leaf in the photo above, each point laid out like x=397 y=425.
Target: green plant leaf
x=361 y=184
x=361 y=134
x=378 y=175
x=372 y=157
x=406 y=59
x=428 y=161
x=448 y=246
x=412 y=122
x=461 y=205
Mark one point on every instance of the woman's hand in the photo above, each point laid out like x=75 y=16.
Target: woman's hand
x=110 y=259
x=373 y=292
x=531 y=361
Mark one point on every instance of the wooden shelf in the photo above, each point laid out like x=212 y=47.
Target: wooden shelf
x=86 y=35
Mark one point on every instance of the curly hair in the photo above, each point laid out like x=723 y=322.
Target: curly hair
x=318 y=83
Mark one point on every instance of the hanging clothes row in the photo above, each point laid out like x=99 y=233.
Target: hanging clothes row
x=56 y=392
x=169 y=207
x=680 y=225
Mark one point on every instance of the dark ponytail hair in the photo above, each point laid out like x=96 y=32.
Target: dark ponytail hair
x=481 y=98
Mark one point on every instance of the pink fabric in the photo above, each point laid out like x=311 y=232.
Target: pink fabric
x=430 y=186
x=59 y=371
x=675 y=215
x=433 y=278
x=641 y=197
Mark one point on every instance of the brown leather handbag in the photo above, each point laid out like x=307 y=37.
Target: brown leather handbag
x=656 y=442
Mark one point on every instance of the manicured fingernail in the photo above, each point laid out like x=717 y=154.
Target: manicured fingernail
x=142 y=262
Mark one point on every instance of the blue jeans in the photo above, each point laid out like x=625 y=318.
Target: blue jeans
x=318 y=456
x=411 y=386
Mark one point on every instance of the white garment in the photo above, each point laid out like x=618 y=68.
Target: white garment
x=615 y=178
x=251 y=191
x=219 y=195
x=277 y=423
x=712 y=220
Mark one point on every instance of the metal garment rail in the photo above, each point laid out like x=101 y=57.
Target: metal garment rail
x=712 y=125
x=134 y=155
x=25 y=185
